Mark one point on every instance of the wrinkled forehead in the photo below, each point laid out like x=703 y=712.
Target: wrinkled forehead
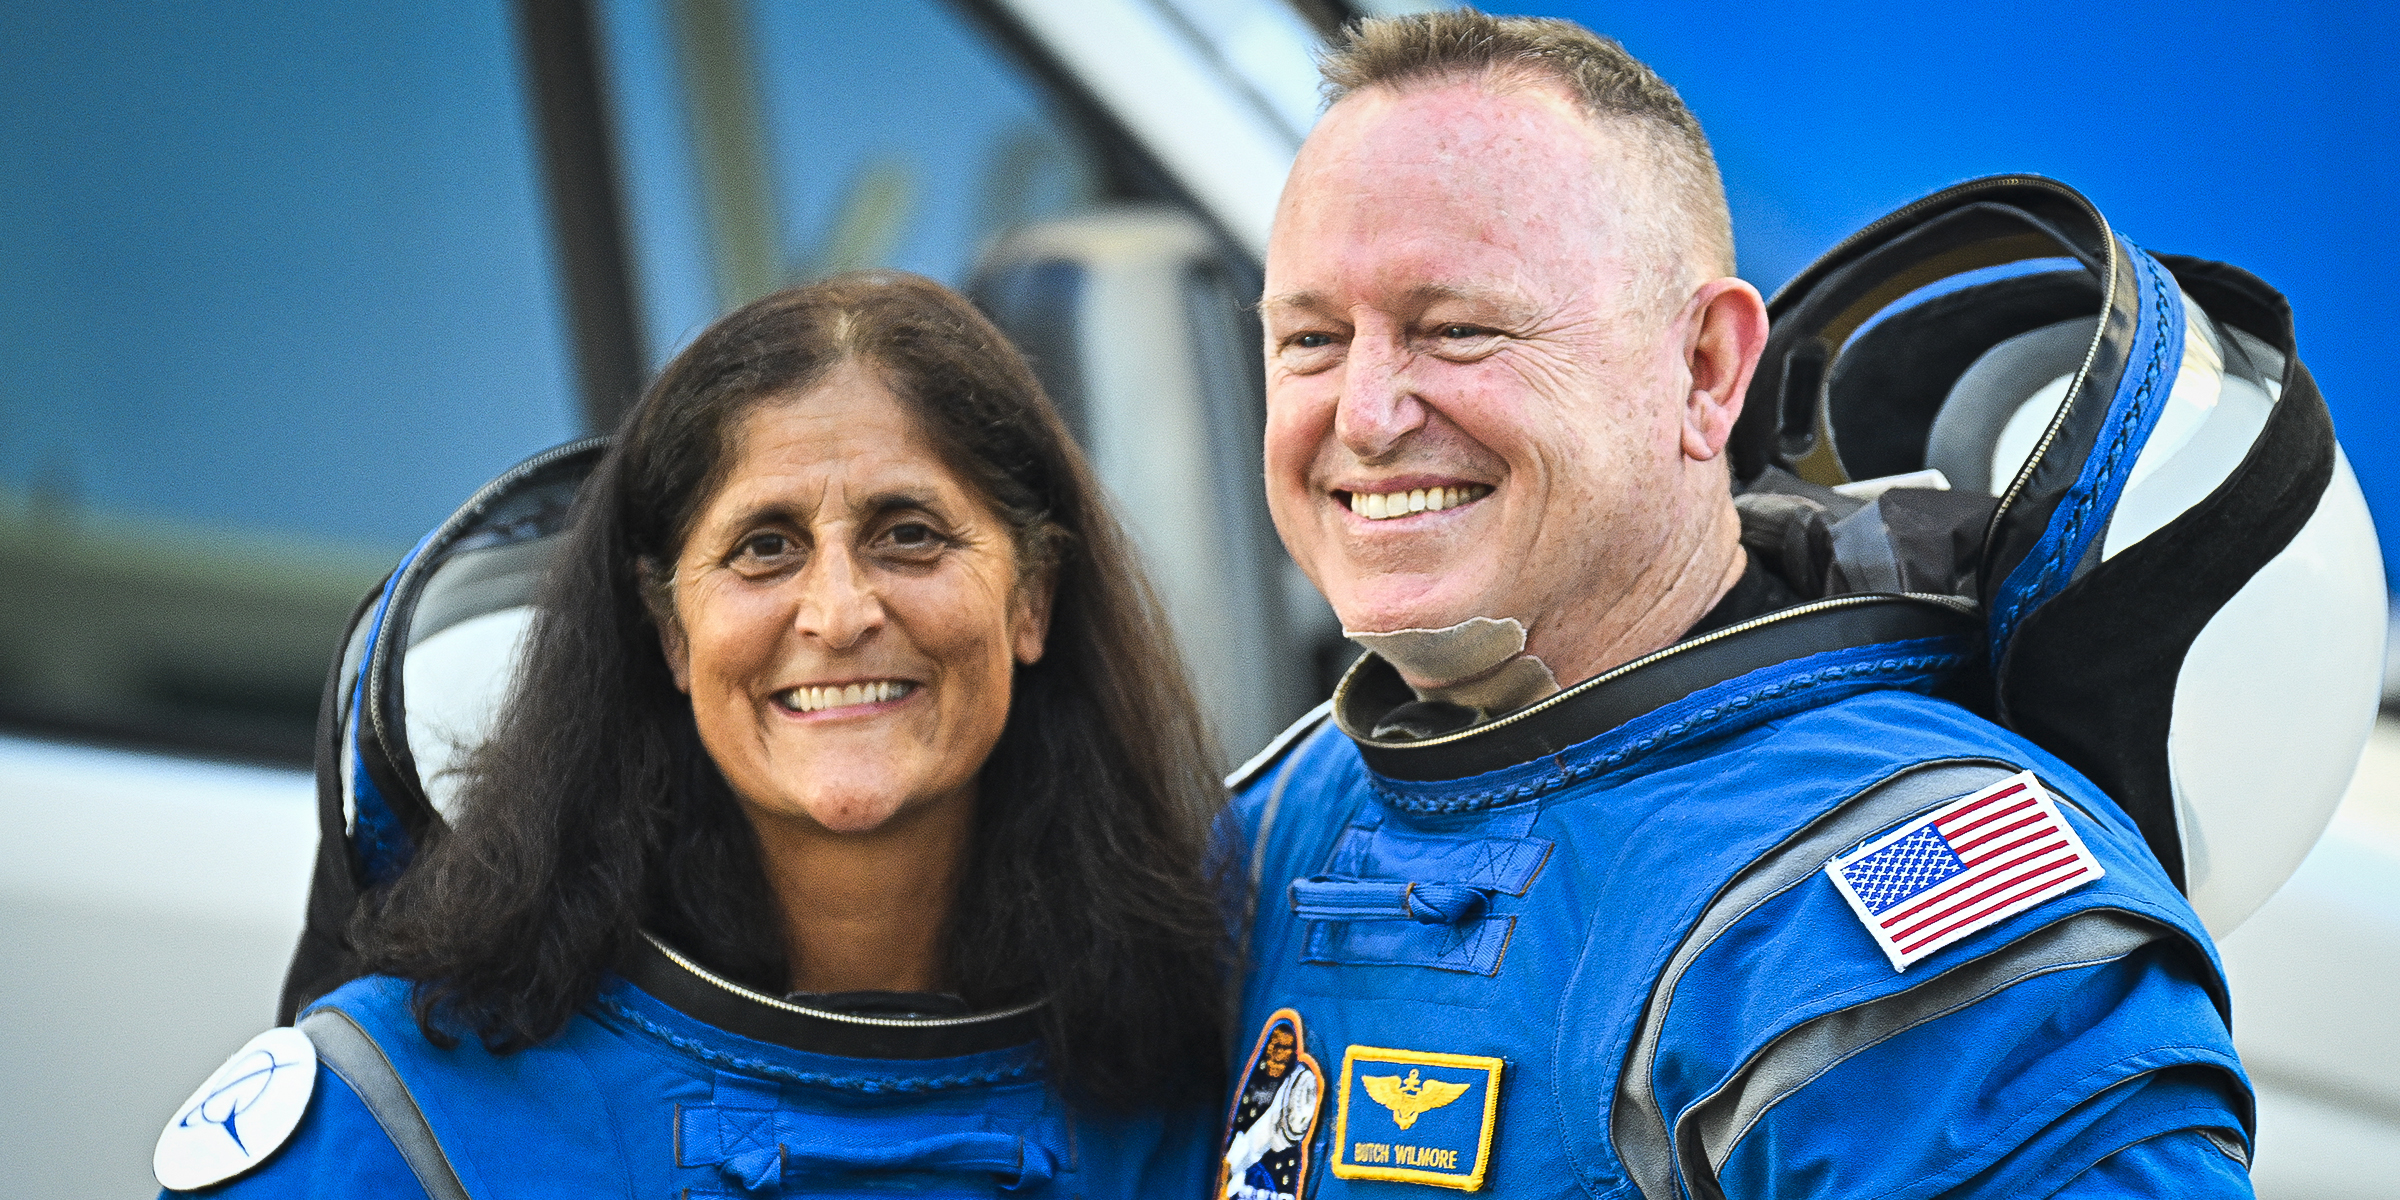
x=1459 y=187
x=1458 y=123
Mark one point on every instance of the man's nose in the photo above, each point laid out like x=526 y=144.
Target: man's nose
x=838 y=603
x=1379 y=406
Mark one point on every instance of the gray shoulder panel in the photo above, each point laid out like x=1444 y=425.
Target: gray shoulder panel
x=1637 y=1128
x=1707 y=1131
x=1250 y=772
x=348 y=1051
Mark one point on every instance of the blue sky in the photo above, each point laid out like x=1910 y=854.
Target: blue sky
x=2267 y=136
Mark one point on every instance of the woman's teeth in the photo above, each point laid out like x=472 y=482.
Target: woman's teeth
x=1383 y=506
x=814 y=699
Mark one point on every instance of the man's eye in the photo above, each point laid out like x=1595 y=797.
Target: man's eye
x=1462 y=331
x=1313 y=341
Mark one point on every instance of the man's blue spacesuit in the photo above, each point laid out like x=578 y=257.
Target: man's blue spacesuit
x=1592 y=947
x=676 y=1083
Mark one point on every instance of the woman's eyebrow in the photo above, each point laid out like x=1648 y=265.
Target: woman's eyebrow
x=878 y=503
x=768 y=512
x=868 y=507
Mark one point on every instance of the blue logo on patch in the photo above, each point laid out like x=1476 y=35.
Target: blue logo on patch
x=1416 y=1116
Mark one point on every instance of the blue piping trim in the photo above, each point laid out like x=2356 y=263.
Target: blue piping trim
x=377 y=838
x=872 y=1084
x=2082 y=514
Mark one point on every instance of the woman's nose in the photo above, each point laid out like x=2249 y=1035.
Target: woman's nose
x=838 y=605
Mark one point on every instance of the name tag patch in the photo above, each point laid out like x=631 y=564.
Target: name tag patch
x=1415 y=1116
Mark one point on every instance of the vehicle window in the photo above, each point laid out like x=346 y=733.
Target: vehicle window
x=898 y=138
x=787 y=141
x=275 y=296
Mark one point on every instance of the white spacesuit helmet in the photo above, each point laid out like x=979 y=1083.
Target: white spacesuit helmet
x=425 y=665
x=2182 y=591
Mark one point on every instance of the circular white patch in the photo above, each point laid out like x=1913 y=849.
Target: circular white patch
x=241 y=1115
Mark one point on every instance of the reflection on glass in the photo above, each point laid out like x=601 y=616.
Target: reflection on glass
x=844 y=134
x=274 y=297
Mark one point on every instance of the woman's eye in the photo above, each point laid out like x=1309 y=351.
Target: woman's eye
x=763 y=553
x=765 y=545
x=1461 y=331
x=914 y=540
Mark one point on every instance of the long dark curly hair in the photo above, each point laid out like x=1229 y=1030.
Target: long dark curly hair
x=594 y=811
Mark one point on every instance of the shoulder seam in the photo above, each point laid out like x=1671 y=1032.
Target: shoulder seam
x=350 y=1052
x=1250 y=772
x=1710 y=1127
x=1639 y=1129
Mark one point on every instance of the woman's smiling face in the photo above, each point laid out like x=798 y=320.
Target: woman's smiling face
x=847 y=614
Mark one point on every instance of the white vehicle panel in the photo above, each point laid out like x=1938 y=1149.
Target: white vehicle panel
x=1169 y=93
x=151 y=905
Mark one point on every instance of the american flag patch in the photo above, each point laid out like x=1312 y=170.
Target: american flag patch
x=1973 y=862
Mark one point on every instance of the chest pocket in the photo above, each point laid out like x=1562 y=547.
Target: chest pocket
x=1392 y=896
x=760 y=1149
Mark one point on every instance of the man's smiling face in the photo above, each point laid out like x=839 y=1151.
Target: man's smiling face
x=1474 y=401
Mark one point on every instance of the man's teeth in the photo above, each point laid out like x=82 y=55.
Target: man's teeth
x=812 y=699
x=1383 y=506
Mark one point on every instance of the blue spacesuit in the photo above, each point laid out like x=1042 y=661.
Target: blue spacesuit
x=1594 y=947
x=677 y=1083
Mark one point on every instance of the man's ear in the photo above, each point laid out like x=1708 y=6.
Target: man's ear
x=658 y=596
x=1725 y=333
x=1029 y=616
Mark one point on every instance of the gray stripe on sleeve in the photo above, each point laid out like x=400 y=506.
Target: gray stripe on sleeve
x=1709 y=1129
x=1637 y=1126
x=349 y=1052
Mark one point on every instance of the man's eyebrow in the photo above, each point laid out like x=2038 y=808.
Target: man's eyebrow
x=1507 y=303
x=1291 y=301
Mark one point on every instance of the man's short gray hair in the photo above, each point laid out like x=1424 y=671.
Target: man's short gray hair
x=1617 y=90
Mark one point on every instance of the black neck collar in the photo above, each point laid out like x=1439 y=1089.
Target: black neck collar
x=1595 y=706
x=696 y=992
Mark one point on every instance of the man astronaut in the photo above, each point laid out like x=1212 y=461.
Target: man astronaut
x=1590 y=884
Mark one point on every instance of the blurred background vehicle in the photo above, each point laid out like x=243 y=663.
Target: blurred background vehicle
x=281 y=284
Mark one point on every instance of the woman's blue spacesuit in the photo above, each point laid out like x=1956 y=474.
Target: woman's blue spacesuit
x=674 y=1082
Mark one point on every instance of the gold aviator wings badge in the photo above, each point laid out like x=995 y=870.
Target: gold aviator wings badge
x=1412 y=1097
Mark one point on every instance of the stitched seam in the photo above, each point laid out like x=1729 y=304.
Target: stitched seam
x=2200 y=1127
x=1691 y=918
x=608 y=1105
x=2033 y=972
x=2113 y=1072
x=2130 y=420
x=871 y=1084
x=1920 y=664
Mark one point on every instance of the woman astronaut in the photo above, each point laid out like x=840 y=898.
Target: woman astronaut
x=843 y=830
